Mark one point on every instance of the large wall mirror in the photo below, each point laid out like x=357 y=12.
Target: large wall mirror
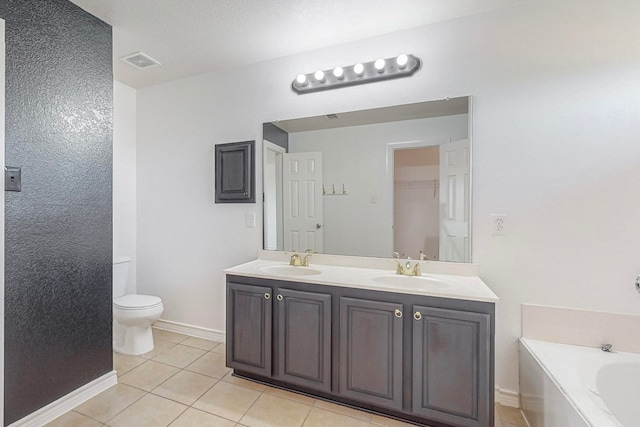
x=385 y=182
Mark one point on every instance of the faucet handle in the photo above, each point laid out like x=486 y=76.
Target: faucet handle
x=400 y=268
x=305 y=260
x=416 y=268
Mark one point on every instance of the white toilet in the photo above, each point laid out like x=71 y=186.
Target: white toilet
x=133 y=314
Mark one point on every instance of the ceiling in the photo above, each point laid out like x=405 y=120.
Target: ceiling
x=199 y=36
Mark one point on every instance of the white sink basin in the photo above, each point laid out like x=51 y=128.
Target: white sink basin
x=289 y=270
x=418 y=282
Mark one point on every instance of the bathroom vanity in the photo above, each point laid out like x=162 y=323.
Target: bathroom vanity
x=415 y=348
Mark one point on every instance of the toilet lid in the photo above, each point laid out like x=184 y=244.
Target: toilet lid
x=135 y=301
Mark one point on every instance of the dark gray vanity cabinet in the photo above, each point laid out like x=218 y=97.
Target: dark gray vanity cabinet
x=280 y=333
x=371 y=351
x=424 y=359
x=249 y=310
x=451 y=360
x=304 y=338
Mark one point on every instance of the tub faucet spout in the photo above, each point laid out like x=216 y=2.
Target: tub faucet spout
x=606 y=347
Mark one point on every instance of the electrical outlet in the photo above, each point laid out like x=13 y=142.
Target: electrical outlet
x=250 y=219
x=499 y=225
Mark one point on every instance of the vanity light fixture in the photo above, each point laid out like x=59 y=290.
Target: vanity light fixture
x=381 y=69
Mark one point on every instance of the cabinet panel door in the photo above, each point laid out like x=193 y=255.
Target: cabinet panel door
x=249 y=328
x=451 y=358
x=371 y=351
x=235 y=172
x=304 y=339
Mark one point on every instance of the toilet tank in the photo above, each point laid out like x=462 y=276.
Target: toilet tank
x=120 y=275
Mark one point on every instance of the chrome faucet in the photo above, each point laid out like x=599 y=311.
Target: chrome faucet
x=606 y=348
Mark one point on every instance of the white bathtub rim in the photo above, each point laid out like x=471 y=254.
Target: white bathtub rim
x=574 y=380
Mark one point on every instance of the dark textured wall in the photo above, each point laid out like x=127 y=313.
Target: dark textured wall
x=59 y=89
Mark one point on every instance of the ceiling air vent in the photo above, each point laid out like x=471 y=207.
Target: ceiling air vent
x=140 y=60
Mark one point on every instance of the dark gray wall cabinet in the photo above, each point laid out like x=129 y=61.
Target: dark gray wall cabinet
x=423 y=359
x=235 y=172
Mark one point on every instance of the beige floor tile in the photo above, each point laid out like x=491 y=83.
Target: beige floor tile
x=220 y=349
x=150 y=411
x=149 y=375
x=185 y=387
x=179 y=356
x=378 y=420
x=321 y=418
x=273 y=411
x=200 y=343
x=162 y=335
x=227 y=400
x=211 y=364
x=344 y=410
x=73 y=419
x=509 y=415
x=196 y=418
x=123 y=363
x=110 y=402
x=159 y=348
x=244 y=383
x=291 y=395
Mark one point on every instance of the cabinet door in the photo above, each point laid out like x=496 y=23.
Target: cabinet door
x=371 y=351
x=451 y=366
x=235 y=172
x=249 y=328
x=304 y=339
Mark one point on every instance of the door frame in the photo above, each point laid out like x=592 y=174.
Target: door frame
x=391 y=148
x=268 y=146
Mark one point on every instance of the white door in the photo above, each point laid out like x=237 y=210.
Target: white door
x=454 y=201
x=302 y=181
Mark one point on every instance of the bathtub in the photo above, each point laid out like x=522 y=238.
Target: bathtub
x=571 y=386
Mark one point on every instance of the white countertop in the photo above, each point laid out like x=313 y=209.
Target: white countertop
x=466 y=287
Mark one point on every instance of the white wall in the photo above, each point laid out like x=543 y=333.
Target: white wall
x=124 y=177
x=556 y=120
x=356 y=156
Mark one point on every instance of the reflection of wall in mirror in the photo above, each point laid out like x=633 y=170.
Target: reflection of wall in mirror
x=361 y=222
x=416 y=202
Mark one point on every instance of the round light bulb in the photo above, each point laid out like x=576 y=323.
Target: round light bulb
x=319 y=75
x=379 y=64
x=338 y=72
x=358 y=69
x=402 y=60
x=301 y=79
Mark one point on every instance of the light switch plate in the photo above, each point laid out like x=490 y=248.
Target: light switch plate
x=250 y=219
x=12 y=178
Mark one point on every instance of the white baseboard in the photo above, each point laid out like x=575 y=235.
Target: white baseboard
x=507 y=398
x=192 y=331
x=66 y=403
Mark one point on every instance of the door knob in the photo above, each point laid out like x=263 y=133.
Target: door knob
x=318 y=226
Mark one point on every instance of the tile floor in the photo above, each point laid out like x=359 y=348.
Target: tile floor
x=183 y=382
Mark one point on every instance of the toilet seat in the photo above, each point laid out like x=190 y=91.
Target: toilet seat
x=136 y=302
